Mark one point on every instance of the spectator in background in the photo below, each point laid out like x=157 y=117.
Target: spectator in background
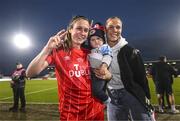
x=18 y=87
x=165 y=96
x=162 y=74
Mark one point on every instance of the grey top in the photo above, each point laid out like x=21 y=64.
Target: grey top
x=116 y=82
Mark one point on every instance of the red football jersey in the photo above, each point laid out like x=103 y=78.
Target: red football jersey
x=74 y=85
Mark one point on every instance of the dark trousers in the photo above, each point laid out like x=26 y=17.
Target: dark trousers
x=99 y=88
x=19 y=93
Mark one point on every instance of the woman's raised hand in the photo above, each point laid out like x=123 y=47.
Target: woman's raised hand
x=57 y=40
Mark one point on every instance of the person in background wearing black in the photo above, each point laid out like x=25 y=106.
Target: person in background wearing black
x=162 y=74
x=18 y=86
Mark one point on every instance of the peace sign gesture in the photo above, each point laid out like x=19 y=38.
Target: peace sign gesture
x=56 y=40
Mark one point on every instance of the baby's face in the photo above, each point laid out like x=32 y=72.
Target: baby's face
x=96 y=41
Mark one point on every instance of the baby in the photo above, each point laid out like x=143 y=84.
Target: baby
x=100 y=56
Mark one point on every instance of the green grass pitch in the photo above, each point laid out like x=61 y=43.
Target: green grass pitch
x=176 y=91
x=36 y=91
x=45 y=91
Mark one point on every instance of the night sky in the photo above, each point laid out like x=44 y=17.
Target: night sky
x=152 y=26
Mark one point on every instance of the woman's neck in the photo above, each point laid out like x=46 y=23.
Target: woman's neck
x=76 y=46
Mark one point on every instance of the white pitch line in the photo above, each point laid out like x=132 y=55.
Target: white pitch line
x=43 y=103
x=30 y=93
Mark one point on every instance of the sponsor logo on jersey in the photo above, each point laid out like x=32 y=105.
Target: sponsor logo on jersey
x=79 y=71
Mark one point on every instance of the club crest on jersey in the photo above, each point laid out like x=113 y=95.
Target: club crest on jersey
x=66 y=58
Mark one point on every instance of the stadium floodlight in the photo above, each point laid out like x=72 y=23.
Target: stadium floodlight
x=21 y=41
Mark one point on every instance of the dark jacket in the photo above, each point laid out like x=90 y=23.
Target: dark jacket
x=133 y=73
x=163 y=73
x=18 y=77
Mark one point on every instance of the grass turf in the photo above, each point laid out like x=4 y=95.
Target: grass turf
x=37 y=91
x=45 y=91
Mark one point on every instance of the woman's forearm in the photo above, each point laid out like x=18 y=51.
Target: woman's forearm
x=39 y=63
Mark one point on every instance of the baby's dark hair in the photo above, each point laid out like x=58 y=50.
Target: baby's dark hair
x=97 y=30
